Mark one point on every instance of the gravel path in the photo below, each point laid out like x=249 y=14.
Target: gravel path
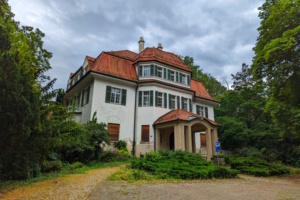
x=245 y=187
x=75 y=186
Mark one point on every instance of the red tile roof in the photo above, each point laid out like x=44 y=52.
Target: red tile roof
x=200 y=90
x=116 y=66
x=126 y=54
x=155 y=54
x=184 y=115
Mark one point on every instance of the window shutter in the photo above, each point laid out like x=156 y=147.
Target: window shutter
x=165 y=73
x=191 y=107
x=197 y=110
x=206 y=112
x=82 y=98
x=178 y=102
x=145 y=133
x=169 y=74
x=156 y=98
x=165 y=100
x=180 y=77
x=108 y=92
x=124 y=92
x=151 y=70
x=151 y=97
x=188 y=80
x=155 y=70
x=140 y=98
x=177 y=78
x=182 y=102
x=88 y=95
x=113 y=130
x=170 y=101
x=140 y=70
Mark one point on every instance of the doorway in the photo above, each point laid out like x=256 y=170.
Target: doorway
x=172 y=142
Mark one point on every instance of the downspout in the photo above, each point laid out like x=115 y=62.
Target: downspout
x=154 y=137
x=134 y=122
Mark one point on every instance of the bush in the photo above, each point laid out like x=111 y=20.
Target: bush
x=76 y=165
x=120 y=145
x=180 y=165
x=51 y=166
x=108 y=156
x=256 y=166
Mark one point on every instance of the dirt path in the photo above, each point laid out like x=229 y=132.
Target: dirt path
x=75 y=186
x=245 y=187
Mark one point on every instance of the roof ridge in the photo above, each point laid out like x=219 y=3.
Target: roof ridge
x=132 y=60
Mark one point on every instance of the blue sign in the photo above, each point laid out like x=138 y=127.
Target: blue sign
x=217 y=146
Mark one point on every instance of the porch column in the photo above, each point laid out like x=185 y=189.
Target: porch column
x=208 y=144
x=177 y=136
x=157 y=138
x=189 y=137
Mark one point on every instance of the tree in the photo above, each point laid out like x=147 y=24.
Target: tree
x=214 y=87
x=243 y=78
x=277 y=61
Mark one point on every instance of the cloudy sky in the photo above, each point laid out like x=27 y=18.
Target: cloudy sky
x=219 y=34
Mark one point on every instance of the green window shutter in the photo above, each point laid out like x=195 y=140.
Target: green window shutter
x=88 y=95
x=197 y=109
x=140 y=98
x=191 y=107
x=170 y=101
x=82 y=98
x=124 y=92
x=177 y=78
x=169 y=76
x=180 y=77
x=165 y=100
x=182 y=102
x=206 y=112
x=156 y=98
x=151 y=70
x=151 y=97
x=178 y=102
x=188 y=80
x=140 y=70
x=108 y=92
x=155 y=70
x=165 y=73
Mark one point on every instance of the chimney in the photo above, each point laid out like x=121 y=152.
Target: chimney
x=159 y=46
x=141 y=44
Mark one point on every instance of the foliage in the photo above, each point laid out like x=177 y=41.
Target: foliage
x=108 y=156
x=277 y=63
x=51 y=166
x=180 y=165
x=256 y=166
x=120 y=145
x=214 y=87
x=128 y=174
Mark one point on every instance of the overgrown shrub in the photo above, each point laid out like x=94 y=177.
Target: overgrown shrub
x=256 y=166
x=108 y=156
x=50 y=166
x=180 y=165
x=120 y=145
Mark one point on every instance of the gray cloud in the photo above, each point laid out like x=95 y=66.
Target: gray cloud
x=219 y=34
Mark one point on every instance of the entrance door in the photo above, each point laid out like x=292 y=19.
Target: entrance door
x=172 y=142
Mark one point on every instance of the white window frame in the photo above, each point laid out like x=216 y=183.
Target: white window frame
x=115 y=96
x=146 y=70
x=159 y=71
x=159 y=99
x=173 y=102
x=172 y=75
x=201 y=110
x=146 y=95
x=185 y=104
x=183 y=79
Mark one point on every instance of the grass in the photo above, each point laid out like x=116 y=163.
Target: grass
x=256 y=166
x=177 y=165
x=8 y=185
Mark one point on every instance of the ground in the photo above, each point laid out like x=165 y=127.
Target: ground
x=94 y=185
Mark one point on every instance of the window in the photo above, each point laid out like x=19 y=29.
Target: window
x=183 y=79
x=184 y=103
x=172 y=100
x=146 y=98
x=159 y=72
x=85 y=69
x=115 y=96
x=85 y=95
x=199 y=110
x=171 y=75
x=145 y=133
x=113 y=130
x=147 y=70
x=159 y=99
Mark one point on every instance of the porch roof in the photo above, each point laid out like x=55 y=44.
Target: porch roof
x=183 y=115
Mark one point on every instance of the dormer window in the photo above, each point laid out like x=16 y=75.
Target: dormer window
x=159 y=72
x=172 y=75
x=147 y=70
x=183 y=79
